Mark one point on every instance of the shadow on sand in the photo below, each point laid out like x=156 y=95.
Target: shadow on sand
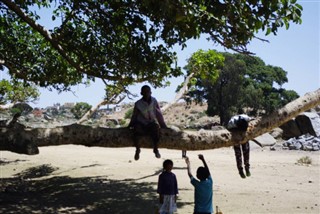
x=37 y=194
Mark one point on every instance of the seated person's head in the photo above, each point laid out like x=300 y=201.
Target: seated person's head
x=145 y=92
x=202 y=173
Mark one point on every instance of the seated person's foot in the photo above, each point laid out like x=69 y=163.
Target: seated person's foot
x=248 y=174
x=242 y=175
x=137 y=154
x=157 y=154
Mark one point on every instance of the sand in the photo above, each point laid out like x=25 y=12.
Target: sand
x=78 y=179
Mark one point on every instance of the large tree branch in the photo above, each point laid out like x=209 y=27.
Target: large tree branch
x=87 y=115
x=180 y=93
x=25 y=140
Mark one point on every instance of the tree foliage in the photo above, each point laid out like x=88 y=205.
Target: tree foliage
x=80 y=109
x=124 y=42
x=15 y=91
x=243 y=82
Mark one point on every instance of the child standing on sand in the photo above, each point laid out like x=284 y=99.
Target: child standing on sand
x=167 y=189
x=203 y=188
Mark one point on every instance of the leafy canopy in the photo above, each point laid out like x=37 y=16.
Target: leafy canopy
x=80 y=109
x=243 y=82
x=15 y=91
x=124 y=42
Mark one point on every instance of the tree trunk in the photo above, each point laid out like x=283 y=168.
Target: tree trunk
x=25 y=140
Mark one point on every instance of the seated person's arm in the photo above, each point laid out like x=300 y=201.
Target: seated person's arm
x=133 y=117
x=160 y=117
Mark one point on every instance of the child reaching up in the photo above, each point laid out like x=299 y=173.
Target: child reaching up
x=203 y=188
x=167 y=189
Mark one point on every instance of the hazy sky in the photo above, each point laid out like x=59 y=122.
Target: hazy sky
x=296 y=50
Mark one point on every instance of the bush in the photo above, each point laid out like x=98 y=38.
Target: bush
x=15 y=111
x=202 y=114
x=305 y=160
x=122 y=122
x=128 y=114
x=80 y=109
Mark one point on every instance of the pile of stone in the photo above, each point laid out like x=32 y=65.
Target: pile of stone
x=305 y=142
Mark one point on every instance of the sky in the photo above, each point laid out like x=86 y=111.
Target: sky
x=296 y=50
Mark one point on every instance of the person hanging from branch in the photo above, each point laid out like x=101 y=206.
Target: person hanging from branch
x=147 y=120
x=241 y=123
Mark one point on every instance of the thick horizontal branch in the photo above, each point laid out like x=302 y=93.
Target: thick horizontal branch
x=22 y=140
x=26 y=140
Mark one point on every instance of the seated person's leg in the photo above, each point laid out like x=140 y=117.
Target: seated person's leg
x=138 y=132
x=154 y=130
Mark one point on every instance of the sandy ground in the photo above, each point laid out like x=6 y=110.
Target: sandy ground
x=77 y=179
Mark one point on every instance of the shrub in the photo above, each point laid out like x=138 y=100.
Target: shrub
x=202 y=114
x=80 y=109
x=15 y=111
x=305 y=160
x=122 y=122
x=128 y=114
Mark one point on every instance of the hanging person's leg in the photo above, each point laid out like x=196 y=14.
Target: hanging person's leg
x=246 y=157
x=238 y=155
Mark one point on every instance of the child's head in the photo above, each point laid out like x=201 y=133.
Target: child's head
x=167 y=165
x=202 y=173
x=146 y=92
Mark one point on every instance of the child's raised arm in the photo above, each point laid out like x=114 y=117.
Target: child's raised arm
x=201 y=157
x=188 y=166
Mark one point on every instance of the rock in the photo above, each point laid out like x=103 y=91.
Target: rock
x=47 y=117
x=266 y=140
x=290 y=130
x=309 y=123
x=303 y=142
x=276 y=133
x=23 y=107
x=175 y=128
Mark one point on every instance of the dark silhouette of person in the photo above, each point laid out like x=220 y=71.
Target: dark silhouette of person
x=147 y=120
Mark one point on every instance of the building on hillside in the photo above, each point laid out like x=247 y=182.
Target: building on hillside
x=37 y=112
x=68 y=105
x=117 y=108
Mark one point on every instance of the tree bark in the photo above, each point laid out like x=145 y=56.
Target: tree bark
x=25 y=140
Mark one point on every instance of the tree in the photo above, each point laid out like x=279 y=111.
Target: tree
x=205 y=67
x=266 y=81
x=80 y=109
x=124 y=42
x=244 y=82
x=12 y=91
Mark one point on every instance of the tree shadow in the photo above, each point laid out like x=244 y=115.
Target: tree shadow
x=63 y=194
x=3 y=161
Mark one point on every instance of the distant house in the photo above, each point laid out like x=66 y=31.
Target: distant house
x=37 y=112
x=117 y=108
x=105 y=111
x=53 y=110
x=68 y=105
x=57 y=105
